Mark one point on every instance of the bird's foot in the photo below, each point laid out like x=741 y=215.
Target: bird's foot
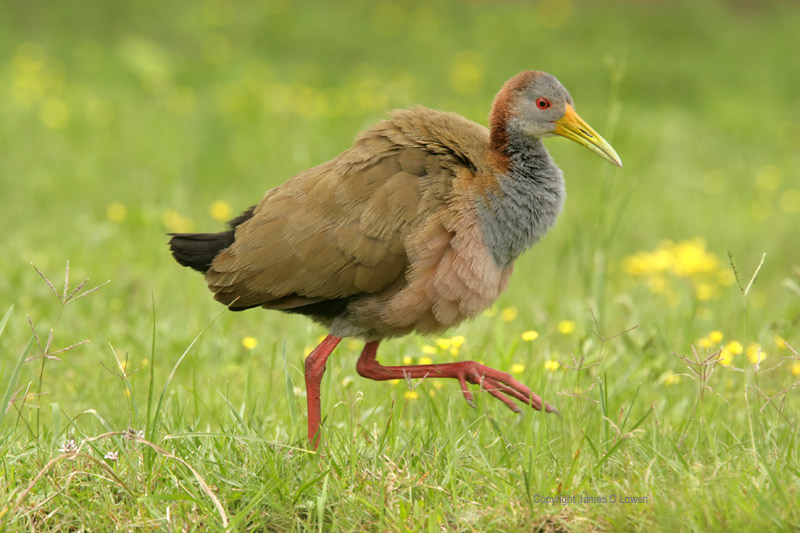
x=499 y=384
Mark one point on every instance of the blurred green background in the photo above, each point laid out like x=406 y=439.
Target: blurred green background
x=122 y=121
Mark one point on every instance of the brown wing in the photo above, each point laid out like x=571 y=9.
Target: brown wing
x=339 y=229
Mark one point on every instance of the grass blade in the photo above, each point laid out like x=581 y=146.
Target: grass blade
x=150 y=429
x=12 y=382
x=158 y=410
x=619 y=442
x=290 y=395
x=4 y=321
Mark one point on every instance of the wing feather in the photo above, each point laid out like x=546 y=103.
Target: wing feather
x=342 y=229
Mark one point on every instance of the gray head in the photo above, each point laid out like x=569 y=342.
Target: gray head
x=534 y=104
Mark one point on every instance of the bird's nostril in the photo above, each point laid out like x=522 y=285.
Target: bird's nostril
x=586 y=133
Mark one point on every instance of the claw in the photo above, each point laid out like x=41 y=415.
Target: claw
x=466 y=391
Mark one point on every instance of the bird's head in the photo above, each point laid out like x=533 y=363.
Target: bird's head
x=536 y=105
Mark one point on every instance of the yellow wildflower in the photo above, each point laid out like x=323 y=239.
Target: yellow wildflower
x=410 y=395
x=635 y=265
x=466 y=72
x=692 y=258
x=715 y=336
x=735 y=347
x=566 y=327
x=116 y=212
x=646 y=263
x=755 y=353
x=508 y=314
x=407 y=360
x=177 y=223
x=725 y=356
x=458 y=341
x=425 y=360
x=428 y=349
x=530 y=335
x=671 y=379
x=704 y=342
x=796 y=369
x=704 y=291
x=220 y=210
x=780 y=342
x=249 y=343
x=517 y=368
x=444 y=343
x=552 y=366
x=684 y=259
x=729 y=350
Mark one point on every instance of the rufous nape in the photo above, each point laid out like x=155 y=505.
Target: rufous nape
x=413 y=229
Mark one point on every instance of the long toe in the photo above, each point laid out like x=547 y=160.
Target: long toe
x=501 y=385
x=466 y=391
x=550 y=409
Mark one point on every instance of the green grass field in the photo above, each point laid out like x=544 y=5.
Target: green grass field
x=677 y=376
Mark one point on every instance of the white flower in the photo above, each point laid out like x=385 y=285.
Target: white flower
x=69 y=446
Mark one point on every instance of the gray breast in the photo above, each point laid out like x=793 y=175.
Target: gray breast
x=529 y=201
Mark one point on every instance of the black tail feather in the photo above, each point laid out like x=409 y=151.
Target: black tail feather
x=198 y=250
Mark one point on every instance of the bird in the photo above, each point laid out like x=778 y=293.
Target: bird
x=413 y=229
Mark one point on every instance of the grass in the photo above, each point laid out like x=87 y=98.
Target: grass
x=675 y=368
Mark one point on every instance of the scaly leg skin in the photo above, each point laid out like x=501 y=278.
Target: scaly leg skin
x=499 y=384
x=315 y=368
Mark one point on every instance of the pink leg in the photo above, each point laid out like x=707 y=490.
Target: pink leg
x=499 y=384
x=315 y=368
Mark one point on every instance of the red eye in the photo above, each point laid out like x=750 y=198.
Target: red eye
x=542 y=103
